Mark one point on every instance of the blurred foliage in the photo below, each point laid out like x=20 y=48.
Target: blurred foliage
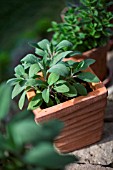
x=19 y=16
x=23 y=20
x=4 y=65
x=24 y=145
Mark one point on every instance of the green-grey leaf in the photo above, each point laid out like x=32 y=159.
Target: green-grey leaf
x=78 y=66
x=19 y=70
x=43 y=44
x=13 y=81
x=89 y=61
x=59 y=69
x=45 y=95
x=52 y=78
x=80 y=89
x=60 y=82
x=82 y=65
x=34 y=69
x=35 y=102
x=61 y=89
x=39 y=52
x=72 y=92
x=88 y=77
x=34 y=82
x=74 y=53
x=5 y=93
x=62 y=44
x=17 y=90
x=22 y=100
x=59 y=57
x=30 y=58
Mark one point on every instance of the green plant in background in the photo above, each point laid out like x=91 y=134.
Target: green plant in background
x=4 y=65
x=86 y=26
x=25 y=145
x=53 y=80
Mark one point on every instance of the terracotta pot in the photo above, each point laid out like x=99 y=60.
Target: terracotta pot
x=83 y=117
x=100 y=66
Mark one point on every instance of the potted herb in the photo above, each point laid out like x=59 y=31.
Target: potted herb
x=21 y=150
x=66 y=90
x=88 y=27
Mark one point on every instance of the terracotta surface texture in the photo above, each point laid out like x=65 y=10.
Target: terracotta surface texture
x=100 y=57
x=83 y=117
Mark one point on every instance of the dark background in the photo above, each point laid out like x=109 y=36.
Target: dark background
x=23 y=21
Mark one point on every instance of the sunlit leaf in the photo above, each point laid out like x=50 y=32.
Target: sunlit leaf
x=17 y=90
x=52 y=78
x=22 y=100
x=19 y=70
x=59 y=57
x=43 y=44
x=62 y=44
x=45 y=95
x=61 y=88
x=59 y=69
x=34 y=69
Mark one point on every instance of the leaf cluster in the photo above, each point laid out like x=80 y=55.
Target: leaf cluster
x=87 y=26
x=25 y=145
x=53 y=79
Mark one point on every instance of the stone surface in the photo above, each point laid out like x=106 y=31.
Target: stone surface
x=100 y=153
x=87 y=167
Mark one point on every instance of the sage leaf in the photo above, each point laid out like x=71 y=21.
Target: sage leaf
x=45 y=95
x=61 y=89
x=88 y=77
x=34 y=82
x=60 y=82
x=59 y=57
x=43 y=44
x=17 y=90
x=79 y=66
x=19 y=70
x=30 y=58
x=14 y=81
x=39 y=52
x=72 y=91
x=80 y=89
x=59 y=69
x=52 y=78
x=74 y=53
x=34 y=69
x=62 y=44
x=35 y=102
x=22 y=100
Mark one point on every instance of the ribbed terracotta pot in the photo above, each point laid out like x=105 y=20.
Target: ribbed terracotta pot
x=100 y=66
x=83 y=117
